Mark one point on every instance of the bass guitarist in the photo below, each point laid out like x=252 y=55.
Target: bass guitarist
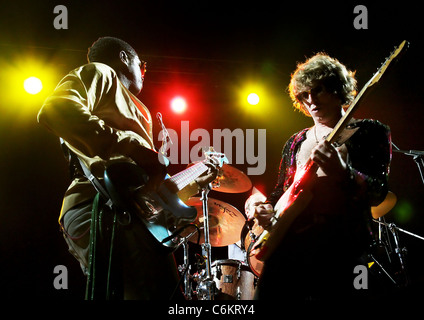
x=95 y=111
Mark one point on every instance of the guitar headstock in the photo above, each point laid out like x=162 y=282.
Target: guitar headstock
x=396 y=52
x=217 y=158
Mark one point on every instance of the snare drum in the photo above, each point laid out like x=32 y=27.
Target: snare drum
x=234 y=280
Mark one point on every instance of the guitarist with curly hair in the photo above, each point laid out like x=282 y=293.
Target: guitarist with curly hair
x=316 y=258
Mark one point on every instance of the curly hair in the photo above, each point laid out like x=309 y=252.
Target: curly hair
x=106 y=50
x=322 y=69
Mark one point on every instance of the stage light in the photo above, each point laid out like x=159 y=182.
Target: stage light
x=178 y=105
x=253 y=99
x=33 y=85
x=29 y=81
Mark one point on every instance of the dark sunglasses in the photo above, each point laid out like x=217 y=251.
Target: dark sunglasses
x=313 y=91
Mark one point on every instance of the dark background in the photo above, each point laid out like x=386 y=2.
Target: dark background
x=207 y=51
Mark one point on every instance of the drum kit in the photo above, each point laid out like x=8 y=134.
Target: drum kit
x=219 y=224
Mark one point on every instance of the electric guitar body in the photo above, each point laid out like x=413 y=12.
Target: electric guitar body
x=161 y=210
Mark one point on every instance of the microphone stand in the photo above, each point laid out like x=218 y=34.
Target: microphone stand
x=417 y=156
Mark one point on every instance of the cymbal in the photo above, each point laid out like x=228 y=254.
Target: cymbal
x=231 y=180
x=225 y=222
x=385 y=206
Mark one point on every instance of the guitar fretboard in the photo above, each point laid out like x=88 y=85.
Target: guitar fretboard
x=355 y=103
x=183 y=178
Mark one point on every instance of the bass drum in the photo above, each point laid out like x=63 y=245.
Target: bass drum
x=234 y=280
x=250 y=232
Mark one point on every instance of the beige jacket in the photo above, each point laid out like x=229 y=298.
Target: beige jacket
x=100 y=121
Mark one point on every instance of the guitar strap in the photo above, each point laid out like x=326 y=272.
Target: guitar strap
x=74 y=160
x=101 y=279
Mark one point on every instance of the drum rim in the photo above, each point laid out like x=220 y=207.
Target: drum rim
x=233 y=261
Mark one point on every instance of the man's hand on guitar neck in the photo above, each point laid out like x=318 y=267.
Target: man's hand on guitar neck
x=210 y=175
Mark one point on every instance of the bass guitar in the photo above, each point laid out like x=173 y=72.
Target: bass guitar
x=298 y=195
x=161 y=211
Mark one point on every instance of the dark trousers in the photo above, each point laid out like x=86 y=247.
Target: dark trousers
x=145 y=271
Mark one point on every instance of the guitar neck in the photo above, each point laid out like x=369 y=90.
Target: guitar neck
x=341 y=125
x=354 y=105
x=185 y=177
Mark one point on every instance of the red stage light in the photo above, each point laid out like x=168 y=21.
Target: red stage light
x=178 y=105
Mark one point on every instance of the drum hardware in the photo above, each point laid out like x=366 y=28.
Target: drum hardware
x=206 y=287
x=397 y=250
x=238 y=293
x=417 y=156
x=218 y=224
x=224 y=221
x=186 y=267
x=185 y=271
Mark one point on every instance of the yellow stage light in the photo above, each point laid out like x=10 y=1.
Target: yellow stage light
x=33 y=85
x=29 y=81
x=253 y=99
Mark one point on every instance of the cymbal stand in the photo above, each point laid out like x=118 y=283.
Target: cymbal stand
x=206 y=288
x=399 y=251
x=384 y=242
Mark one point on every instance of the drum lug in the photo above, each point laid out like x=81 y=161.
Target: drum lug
x=218 y=272
x=238 y=294
x=228 y=278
